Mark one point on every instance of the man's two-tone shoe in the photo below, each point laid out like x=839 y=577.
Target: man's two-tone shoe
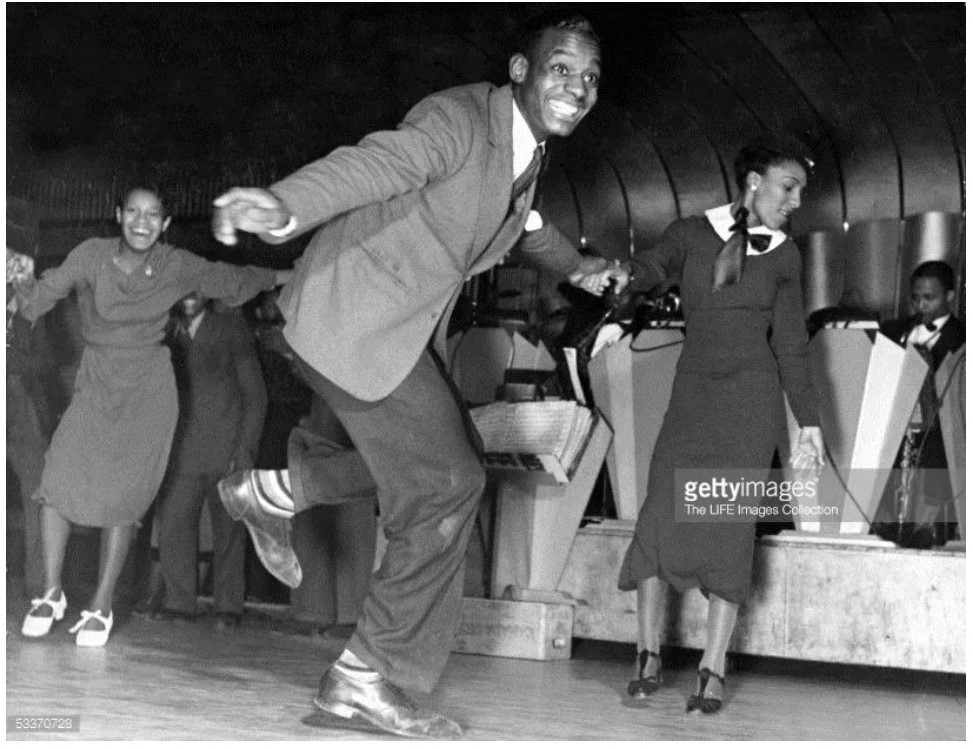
x=271 y=535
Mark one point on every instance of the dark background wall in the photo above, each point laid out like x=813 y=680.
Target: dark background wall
x=203 y=96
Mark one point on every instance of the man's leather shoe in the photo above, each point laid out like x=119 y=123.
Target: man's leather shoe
x=271 y=535
x=350 y=694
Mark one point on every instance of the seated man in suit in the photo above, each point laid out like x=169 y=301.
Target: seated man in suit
x=402 y=220
x=935 y=332
x=222 y=404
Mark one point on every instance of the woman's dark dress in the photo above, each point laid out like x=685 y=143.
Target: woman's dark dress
x=726 y=409
x=110 y=450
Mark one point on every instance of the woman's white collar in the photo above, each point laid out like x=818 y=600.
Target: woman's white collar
x=721 y=219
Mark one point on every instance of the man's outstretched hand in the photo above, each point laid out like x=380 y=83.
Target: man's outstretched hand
x=248 y=209
x=595 y=274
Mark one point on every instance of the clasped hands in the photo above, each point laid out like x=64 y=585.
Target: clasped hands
x=595 y=274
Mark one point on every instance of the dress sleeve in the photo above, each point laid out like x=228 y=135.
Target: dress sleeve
x=789 y=340
x=231 y=284
x=652 y=266
x=55 y=284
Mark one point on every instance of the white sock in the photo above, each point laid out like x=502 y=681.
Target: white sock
x=347 y=658
x=274 y=493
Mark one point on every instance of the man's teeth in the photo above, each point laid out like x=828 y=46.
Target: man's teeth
x=563 y=109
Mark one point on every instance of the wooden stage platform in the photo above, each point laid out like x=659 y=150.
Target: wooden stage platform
x=838 y=600
x=159 y=680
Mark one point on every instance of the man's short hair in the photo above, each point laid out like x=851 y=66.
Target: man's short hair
x=936 y=269
x=558 y=19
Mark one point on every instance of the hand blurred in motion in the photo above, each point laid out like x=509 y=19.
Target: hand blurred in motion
x=248 y=209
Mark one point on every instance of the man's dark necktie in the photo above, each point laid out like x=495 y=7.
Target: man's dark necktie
x=728 y=267
x=526 y=178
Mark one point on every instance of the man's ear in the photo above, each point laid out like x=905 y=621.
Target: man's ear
x=166 y=222
x=518 y=68
x=950 y=296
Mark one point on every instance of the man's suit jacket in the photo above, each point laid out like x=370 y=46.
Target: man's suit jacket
x=951 y=337
x=222 y=396
x=405 y=217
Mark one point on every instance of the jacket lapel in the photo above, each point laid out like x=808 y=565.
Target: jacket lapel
x=497 y=176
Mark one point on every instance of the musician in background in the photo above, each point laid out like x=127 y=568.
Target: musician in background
x=935 y=332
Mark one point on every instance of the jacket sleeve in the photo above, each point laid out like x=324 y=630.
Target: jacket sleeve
x=652 y=266
x=432 y=142
x=548 y=249
x=789 y=340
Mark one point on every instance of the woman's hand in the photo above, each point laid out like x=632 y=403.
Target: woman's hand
x=284 y=276
x=249 y=209
x=595 y=274
x=20 y=268
x=809 y=453
x=20 y=276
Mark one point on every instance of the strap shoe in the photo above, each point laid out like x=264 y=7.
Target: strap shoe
x=648 y=681
x=43 y=613
x=709 y=693
x=92 y=638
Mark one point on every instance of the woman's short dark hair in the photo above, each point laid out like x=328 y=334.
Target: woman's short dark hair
x=153 y=189
x=558 y=19
x=767 y=151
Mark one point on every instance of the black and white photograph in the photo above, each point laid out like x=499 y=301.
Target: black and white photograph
x=486 y=371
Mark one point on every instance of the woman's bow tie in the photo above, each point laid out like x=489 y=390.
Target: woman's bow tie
x=759 y=242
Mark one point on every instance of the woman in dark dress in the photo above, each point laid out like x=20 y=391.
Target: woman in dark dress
x=109 y=452
x=745 y=346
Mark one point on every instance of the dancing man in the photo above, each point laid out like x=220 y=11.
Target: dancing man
x=403 y=219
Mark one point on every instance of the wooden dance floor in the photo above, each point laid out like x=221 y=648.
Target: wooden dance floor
x=161 y=680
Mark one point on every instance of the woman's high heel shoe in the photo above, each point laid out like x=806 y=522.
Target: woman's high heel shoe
x=92 y=638
x=709 y=693
x=650 y=677
x=37 y=624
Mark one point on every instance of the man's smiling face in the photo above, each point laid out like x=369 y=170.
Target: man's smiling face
x=558 y=85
